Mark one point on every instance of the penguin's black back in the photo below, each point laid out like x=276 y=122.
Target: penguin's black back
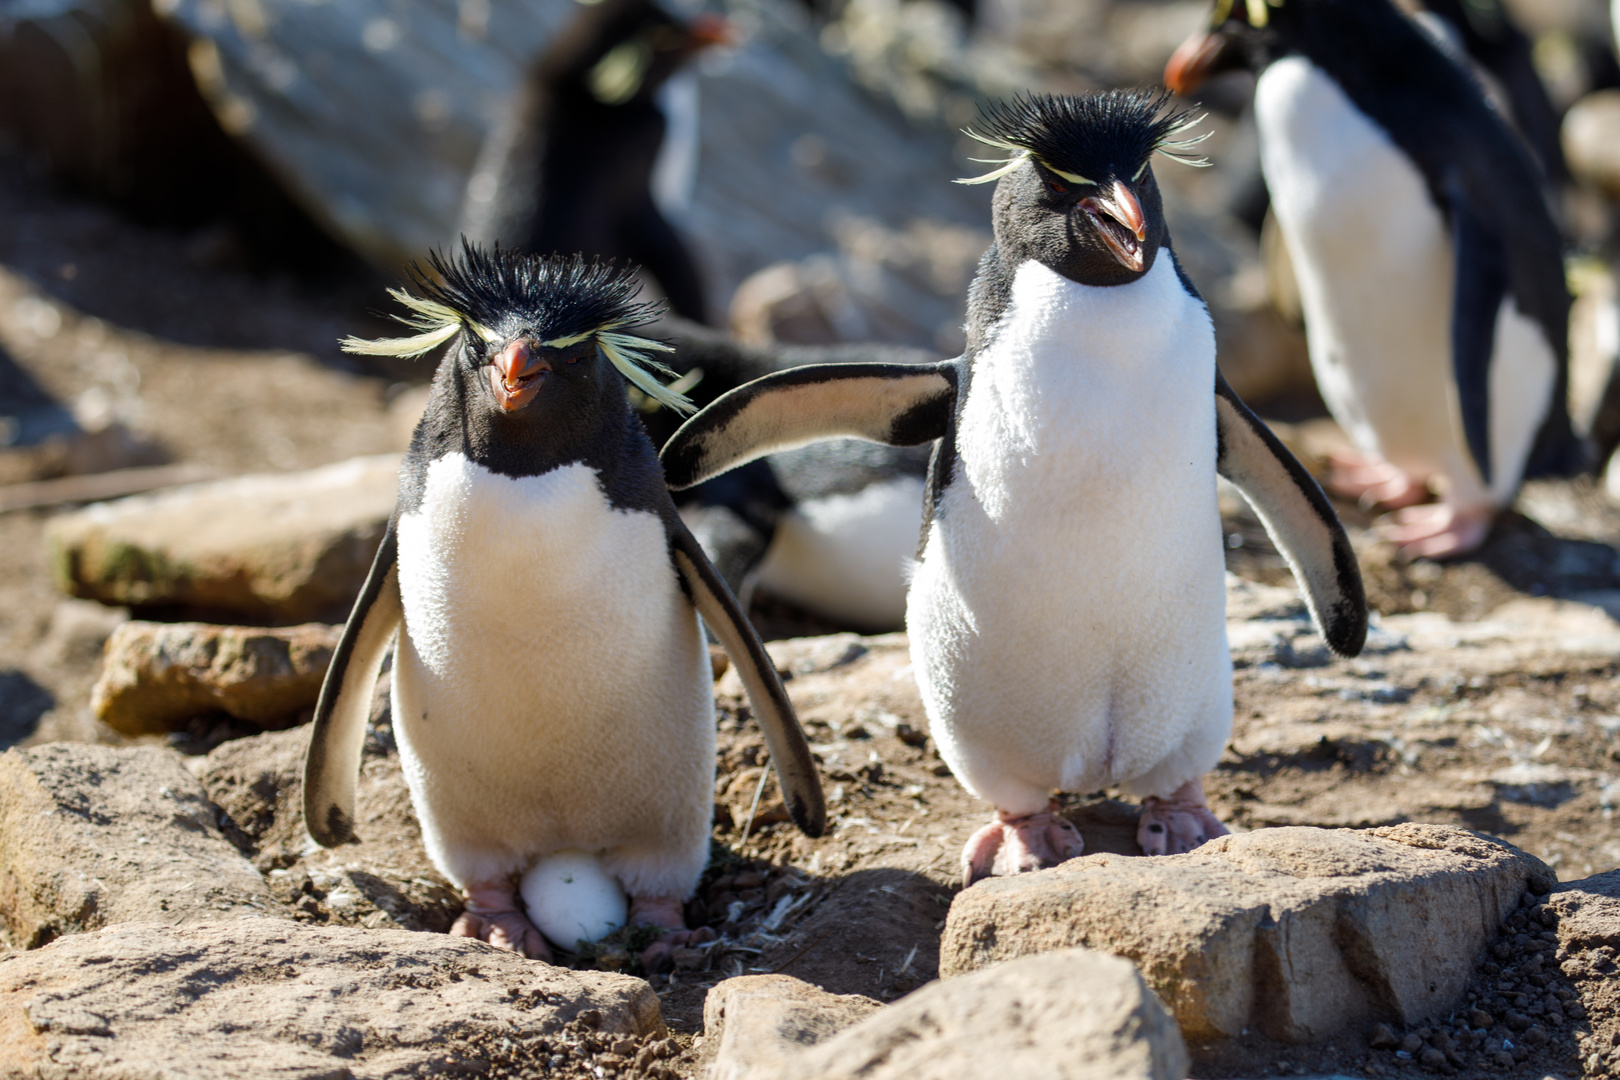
x=1439 y=117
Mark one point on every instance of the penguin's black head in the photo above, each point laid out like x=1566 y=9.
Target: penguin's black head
x=1078 y=194
x=1240 y=34
x=535 y=340
x=619 y=51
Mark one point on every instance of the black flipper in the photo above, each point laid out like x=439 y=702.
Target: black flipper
x=1482 y=283
x=898 y=404
x=1298 y=518
x=790 y=754
x=332 y=766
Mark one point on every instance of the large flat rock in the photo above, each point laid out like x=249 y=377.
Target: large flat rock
x=157 y=676
x=1298 y=932
x=278 y=548
x=257 y=998
x=1073 y=1014
x=96 y=835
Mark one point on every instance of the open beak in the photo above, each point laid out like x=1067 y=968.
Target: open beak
x=1195 y=60
x=516 y=374
x=708 y=30
x=1117 y=217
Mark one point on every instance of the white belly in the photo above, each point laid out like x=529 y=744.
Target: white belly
x=1376 y=273
x=845 y=556
x=552 y=687
x=1068 y=615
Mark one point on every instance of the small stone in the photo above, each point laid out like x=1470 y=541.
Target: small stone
x=1502 y=1059
x=1516 y=1020
x=1441 y=1041
x=1431 y=1058
x=1502 y=950
x=1412 y=1043
x=1536 y=1036
x=1574 y=1010
x=1479 y=1018
x=1382 y=1037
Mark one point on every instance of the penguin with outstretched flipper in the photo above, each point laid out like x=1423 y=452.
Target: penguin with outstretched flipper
x=1067 y=609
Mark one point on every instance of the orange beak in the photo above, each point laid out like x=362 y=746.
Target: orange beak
x=1190 y=64
x=708 y=30
x=516 y=375
x=1118 y=219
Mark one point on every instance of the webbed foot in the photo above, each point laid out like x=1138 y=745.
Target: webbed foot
x=1179 y=823
x=495 y=914
x=1372 y=481
x=1437 y=530
x=1013 y=844
x=668 y=914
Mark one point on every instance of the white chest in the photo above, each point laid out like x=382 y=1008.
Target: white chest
x=1067 y=617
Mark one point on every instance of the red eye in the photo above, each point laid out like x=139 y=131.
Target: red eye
x=1056 y=188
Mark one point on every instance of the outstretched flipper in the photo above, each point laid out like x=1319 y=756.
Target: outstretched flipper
x=332 y=766
x=1298 y=518
x=898 y=404
x=790 y=754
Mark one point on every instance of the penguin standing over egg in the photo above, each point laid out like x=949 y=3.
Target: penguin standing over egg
x=552 y=691
x=1430 y=269
x=1067 y=609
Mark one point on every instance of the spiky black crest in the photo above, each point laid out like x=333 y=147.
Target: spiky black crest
x=1087 y=138
x=561 y=300
x=556 y=297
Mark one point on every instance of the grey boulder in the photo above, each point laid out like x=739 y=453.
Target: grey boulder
x=1298 y=932
x=261 y=997
x=96 y=835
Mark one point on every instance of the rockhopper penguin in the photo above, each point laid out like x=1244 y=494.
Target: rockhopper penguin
x=1067 y=610
x=551 y=686
x=1429 y=266
x=570 y=167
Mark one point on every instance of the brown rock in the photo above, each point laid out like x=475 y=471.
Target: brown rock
x=1298 y=932
x=261 y=997
x=753 y=1024
x=1588 y=928
x=1068 y=1014
x=157 y=676
x=279 y=548
x=96 y=835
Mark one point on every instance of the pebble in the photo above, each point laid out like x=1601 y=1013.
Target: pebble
x=1479 y=1018
x=1412 y=1043
x=1503 y=1059
x=1382 y=1037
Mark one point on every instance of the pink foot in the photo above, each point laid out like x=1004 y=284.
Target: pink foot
x=1177 y=824
x=1438 y=530
x=1372 y=481
x=667 y=913
x=1013 y=844
x=495 y=914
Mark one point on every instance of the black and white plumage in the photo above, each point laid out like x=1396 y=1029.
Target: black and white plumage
x=570 y=167
x=551 y=685
x=1429 y=265
x=1067 y=612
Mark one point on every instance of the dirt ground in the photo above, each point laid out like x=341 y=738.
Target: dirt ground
x=235 y=368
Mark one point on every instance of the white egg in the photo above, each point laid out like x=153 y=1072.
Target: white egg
x=571 y=897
